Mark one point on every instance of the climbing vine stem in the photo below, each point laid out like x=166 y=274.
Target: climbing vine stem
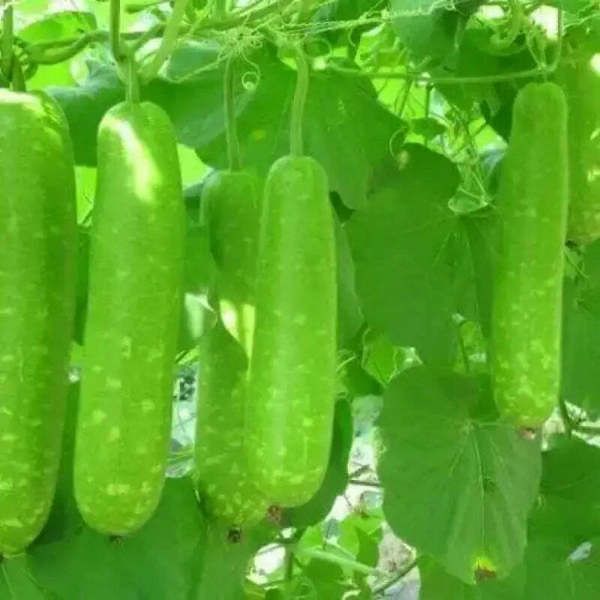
x=233 y=144
x=299 y=102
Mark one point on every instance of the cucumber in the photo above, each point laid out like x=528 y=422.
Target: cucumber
x=135 y=288
x=581 y=83
x=230 y=211
x=37 y=304
x=527 y=297
x=292 y=368
x=228 y=493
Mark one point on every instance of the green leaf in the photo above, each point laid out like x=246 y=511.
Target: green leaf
x=336 y=477
x=571 y=470
x=562 y=559
x=327 y=579
x=360 y=534
x=436 y=583
x=17 y=582
x=348 y=148
x=581 y=335
x=458 y=486
x=350 y=317
x=382 y=359
x=84 y=106
x=225 y=561
x=426 y=28
x=57 y=26
x=405 y=274
x=480 y=228
x=477 y=57
x=95 y=567
x=427 y=127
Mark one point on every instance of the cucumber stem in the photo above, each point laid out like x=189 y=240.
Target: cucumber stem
x=299 y=102
x=233 y=143
x=133 y=86
x=115 y=29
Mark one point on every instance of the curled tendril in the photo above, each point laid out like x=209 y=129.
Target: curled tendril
x=311 y=47
x=242 y=42
x=394 y=154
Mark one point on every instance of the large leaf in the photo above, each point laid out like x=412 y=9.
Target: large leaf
x=349 y=148
x=350 y=316
x=457 y=485
x=404 y=262
x=88 y=565
x=226 y=558
x=58 y=26
x=436 y=583
x=84 y=106
x=581 y=335
x=562 y=559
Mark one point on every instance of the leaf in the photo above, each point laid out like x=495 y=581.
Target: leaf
x=476 y=57
x=168 y=547
x=327 y=579
x=562 y=559
x=225 y=562
x=400 y=242
x=347 y=147
x=436 y=584
x=427 y=127
x=571 y=470
x=85 y=105
x=480 y=229
x=344 y=10
x=57 y=26
x=426 y=28
x=360 y=534
x=336 y=477
x=458 y=486
x=581 y=335
x=381 y=359
x=350 y=316
x=16 y=582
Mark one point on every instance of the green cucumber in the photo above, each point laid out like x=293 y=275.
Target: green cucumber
x=37 y=304
x=135 y=287
x=220 y=470
x=292 y=368
x=581 y=82
x=230 y=211
x=527 y=298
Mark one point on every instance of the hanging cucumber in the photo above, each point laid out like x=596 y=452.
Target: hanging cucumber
x=137 y=247
x=533 y=200
x=230 y=211
x=292 y=369
x=229 y=208
x=37 y=302
x=220 y=471
x=580 y=79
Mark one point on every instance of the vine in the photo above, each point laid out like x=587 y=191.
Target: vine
x=299 y=102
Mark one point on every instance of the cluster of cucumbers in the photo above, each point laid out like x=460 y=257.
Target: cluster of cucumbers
x=267 y=381
x=267 y=394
